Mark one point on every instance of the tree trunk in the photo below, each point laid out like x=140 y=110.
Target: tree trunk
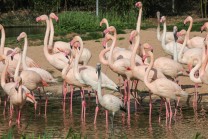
x=173 y=6
x=205 y=9
x=201 y=8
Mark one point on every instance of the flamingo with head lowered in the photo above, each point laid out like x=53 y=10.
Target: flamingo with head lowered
x=17 y=93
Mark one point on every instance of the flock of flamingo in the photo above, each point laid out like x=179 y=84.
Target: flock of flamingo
x=20 y=75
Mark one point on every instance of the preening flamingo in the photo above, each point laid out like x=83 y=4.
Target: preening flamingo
x=195 y=42
x=17 y=93
x=169 y=35
x=86 y=74
x=108 y=101
x=163 y=87
x=169 y=47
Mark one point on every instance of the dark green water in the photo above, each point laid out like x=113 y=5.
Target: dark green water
x=57 y=124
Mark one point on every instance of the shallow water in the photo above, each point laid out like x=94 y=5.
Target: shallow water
x=57 y=124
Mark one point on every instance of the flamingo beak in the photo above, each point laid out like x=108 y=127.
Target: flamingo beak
x=130 y=41
x=31 y=97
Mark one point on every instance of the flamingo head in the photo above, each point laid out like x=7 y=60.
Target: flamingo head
x=148 y=47
x=22 y=35
x=162 y=19
x=188 y=19
x=98 y=69
x=133 y=34
x=65 y=53
x=17 y=50
x=107 y=38
x=103 y=21
x=31 y=98
x=2 y=57
x=204 y=27
x=158 y=16
x=42 y=18
x=18 y=82
x=175 y=31
x=109 y=29
x=181 y=33
x=138 y=4
x=1 y=27
x=53 y=16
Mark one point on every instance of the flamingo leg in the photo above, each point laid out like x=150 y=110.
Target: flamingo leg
x=135 y=94
x=167 y=112
x=171 y=113
x=64 y=95
x=161 y=102
x=97 y=108
x=195 y=96
x=125 y=92
x=128 y=97
x=5 y=102
x=106 y=117
x=35 y=105
x=39 y=100
x=150 y=108
x=177 y=106
x=72 y=90
x=83 y=105
x=19 y=115
x=11 y=114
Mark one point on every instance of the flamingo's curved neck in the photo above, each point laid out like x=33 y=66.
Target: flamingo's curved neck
x=99 y=90
x=204 y=63
x=110 y=58
x=139 y=20
x=16 y=74
x=180 y=55
x=175 y=53
x=193 y=71
x=3 y=74
x=2 y=41
x=134 y=51
x=102 y=54
x=189 y=29
x=24 y=65
x=158 y=29
x=147 y=83
x=51 y=34
x=76 y=62
x=164 y=35
x=45 y=48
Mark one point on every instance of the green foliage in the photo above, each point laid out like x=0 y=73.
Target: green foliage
x=198 y=136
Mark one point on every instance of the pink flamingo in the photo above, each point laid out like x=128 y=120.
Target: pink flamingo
x=163 y=87
x=30 y=79
x=57 y=60
x=60 y=46
x=17 y=96
x=87 y=76
x=108 y=101
x=195 y=42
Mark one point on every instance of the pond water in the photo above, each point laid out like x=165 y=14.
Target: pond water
x=15 y=31
x=57 y=124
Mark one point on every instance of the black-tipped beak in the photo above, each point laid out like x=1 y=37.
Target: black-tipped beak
x=152 y=50
x=104 y=47
x=184 y=25
x=79 y=48
x=71 y=46
x=67 y=56
x=16 y=88
x=118 y=88
x=201 y=31
x=103 y=34
x=130 y=42
x=17 y=41
x=12 y=57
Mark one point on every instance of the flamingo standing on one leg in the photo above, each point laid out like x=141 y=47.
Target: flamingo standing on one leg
x=108 y=101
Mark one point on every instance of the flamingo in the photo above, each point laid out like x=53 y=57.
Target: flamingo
x=169 y=47
x=195 y=42
x=60 y=46
x=167 y=66
x=169 y=35
x=163 y=87
x=7 y=51
x=86 y=74
x=19 y=95
x=108 y=101
x=30 y=79
x=57 y=60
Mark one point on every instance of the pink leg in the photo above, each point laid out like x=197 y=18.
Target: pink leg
x=167 y=113
x=19 y=115
x=195 y=96
x=83 y=105
x=5 y=102
x=125 y=92
x=11 y=115
x=150 y=109
x=171 y=113
x=46 y=104
x=177 y=106
x=128 y=98
x=161 y=102
x=106 y=117
x=135 y=94
x=64 y=95
x=72 y=90
x=97 y=108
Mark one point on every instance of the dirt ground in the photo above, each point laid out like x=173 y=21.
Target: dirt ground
x=36 y=53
